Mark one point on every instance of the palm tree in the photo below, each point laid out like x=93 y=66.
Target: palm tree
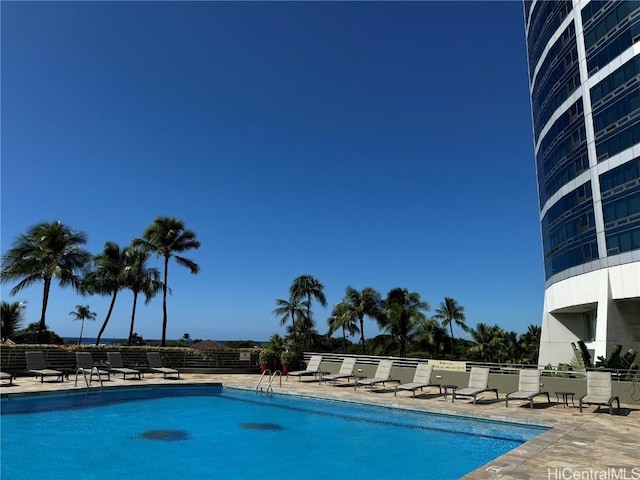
x=451 y=312
x=82 y=313
x=108 y=277
x=344 y=318
x=487 y=341
x=530 y=344
x=46 y=252
x=290 y=310
x=140 y=278
x=402 y=312
x=167 y=236
x=433 y=335
x=12 y=317
x=308 y=287
x=366 y=302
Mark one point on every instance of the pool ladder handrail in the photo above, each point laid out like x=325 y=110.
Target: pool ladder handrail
x=88 y=382
x=271 y=378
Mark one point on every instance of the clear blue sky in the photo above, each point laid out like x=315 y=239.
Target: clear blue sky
x=367 y=144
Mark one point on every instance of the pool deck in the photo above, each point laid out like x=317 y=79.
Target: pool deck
x=588 y=445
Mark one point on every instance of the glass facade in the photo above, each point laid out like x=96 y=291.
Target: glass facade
x=615 y=103
x=609 y=29
x=562 y=155
x=620 y=190
x=569 y=231
x=562 y=130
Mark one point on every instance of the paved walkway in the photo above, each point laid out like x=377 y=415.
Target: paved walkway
x=590 y=445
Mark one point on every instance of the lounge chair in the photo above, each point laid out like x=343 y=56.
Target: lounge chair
x=6 y=376
x=346 y=371
x=37 y=365
x=478 y=383
x=421 y=379
x=599 y=391
x=117 y=365
x=382 y=375
x=84 y=361
x=313 y=368
x=528 y=387
x=155 y=363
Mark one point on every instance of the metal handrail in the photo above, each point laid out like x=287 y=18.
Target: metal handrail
x=267 y=371
x=279 y=373
x=88 y=382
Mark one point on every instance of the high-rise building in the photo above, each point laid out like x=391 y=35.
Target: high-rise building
x=584 y=73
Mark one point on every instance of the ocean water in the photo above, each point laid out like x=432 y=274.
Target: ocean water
x=221 y=433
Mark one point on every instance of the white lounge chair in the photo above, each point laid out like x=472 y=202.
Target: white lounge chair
x=528 y=387
x=478 y=383
x=313 y=368
x=599 y=391
x=37 y=365
x=421 y=379
x=84 y=361
x=346 y=371
x=155 y=363
x=117 y=365
x=382 y=375
x=6 y=376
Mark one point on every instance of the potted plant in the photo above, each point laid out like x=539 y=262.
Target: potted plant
x=290 y=361
x=267 y=359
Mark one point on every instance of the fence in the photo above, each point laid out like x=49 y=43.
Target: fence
x=12 y=358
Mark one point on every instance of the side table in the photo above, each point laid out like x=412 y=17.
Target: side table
x=564 y=397
x=448 y=388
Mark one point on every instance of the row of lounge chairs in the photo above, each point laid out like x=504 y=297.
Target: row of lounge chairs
x=599 y=388
x=37 y=365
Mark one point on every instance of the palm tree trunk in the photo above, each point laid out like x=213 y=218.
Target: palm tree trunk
x=81 y=329
x=364 y=349
x=133 y=316
x=106 y=320
x=164 y=302
x=344 y=340
x=45 y=300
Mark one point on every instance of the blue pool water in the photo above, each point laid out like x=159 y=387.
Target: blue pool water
x=221 y=433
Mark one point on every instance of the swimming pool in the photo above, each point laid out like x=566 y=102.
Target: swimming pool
x=222 y=433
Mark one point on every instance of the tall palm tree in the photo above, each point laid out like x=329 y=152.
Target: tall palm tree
x=46 y=252
x=140 y=278
x=308 y=287
x=167 y=236
x=107 y=277
x=12 y=317
x=451 y=312
x=363 y=303
x=290 y=310
x=344 y=318
x=82 y=313
x=402 y=312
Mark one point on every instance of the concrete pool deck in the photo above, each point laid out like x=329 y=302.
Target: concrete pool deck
x=588 y=445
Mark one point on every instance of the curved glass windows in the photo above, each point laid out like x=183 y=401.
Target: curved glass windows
x=545 y=19
x=621 y=207
x=616 y=110
x=562 y=155
x=559 y=66
x=609 y=29
x=569 y=232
